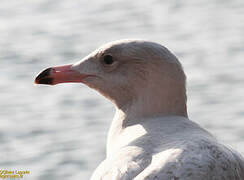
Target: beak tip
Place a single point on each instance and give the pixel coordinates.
(35, 81)
(44, 77)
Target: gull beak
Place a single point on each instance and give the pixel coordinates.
(59, 74)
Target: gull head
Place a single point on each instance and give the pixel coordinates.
(136, 75)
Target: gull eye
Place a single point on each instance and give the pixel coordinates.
(108, 59)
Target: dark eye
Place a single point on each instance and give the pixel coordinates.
(108, 59)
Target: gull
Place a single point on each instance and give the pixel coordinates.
(151, 136)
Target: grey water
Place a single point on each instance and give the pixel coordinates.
(59, 132)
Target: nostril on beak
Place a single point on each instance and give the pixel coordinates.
(44, 77)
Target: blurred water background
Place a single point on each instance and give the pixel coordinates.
(60, 132)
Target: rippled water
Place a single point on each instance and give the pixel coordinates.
(60, 132)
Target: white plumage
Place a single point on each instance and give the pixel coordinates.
(151, 137)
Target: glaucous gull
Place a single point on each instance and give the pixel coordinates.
(151, 137)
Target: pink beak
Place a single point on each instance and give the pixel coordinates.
(59, 74)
